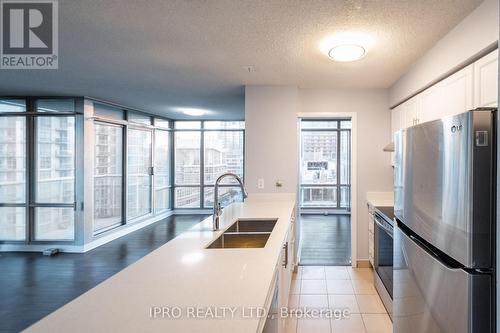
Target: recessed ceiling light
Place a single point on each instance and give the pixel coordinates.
(195, 112)
(347, 52)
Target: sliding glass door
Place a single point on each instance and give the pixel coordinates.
(108, 176)
(139, 172)
(325, 164)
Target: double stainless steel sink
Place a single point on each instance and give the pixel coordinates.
(245, 233)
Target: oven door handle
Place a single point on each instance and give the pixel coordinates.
(390, 231)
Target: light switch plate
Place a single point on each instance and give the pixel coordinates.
(260, 183)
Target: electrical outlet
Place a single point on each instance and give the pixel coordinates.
(260, 183)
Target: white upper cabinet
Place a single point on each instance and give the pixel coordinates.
(457, 92)
(430, 104)
(411, 110)
(486, 80)
(473, 86)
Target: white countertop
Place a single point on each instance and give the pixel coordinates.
(380, 198)
(182, 273)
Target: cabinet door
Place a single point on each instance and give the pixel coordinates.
(486, 80)
(410, 111)
(286, 267)
(457, 92)
(431, 102)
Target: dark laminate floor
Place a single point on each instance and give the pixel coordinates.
(326, 240)
(32, 286)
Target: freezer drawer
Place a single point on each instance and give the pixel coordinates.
(430, 297)
(443, 185)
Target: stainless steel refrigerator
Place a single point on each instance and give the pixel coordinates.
(444, 242)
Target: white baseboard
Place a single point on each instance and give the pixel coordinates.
(363, 263)
(123, 231)
(192, 211)
(40, 248)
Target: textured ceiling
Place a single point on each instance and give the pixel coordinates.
(156, 55)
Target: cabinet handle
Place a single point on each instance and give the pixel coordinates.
(285, 247)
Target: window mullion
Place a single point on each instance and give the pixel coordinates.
(202, 166)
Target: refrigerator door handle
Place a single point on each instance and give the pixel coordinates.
(441, 257)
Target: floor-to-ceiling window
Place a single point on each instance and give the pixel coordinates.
(12, 171)
(162, 174)
(325, 164)
(138, 168)
(187, 158)
(325, 192)
(204, 151)
(37, 169)
(55, 178)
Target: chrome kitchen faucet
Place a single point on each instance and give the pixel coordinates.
(217, 207)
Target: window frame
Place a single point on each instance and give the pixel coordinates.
(338, 185)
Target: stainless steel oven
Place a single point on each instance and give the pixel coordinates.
(383, 258)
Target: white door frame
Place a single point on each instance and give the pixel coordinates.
(354, 169)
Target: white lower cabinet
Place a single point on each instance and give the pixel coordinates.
(284, 271)
(287, 266)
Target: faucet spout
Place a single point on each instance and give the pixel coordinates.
(217, 206)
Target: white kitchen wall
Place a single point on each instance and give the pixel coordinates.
(475, 33)
(272, 142)
(271, 137)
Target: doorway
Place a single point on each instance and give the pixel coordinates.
(325, 191)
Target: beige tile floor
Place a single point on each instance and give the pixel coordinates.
(338, 287)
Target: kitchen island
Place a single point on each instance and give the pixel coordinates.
(185, 287)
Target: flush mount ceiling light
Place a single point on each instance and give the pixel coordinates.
(346, 46)
(195, 112)
(347, 52)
